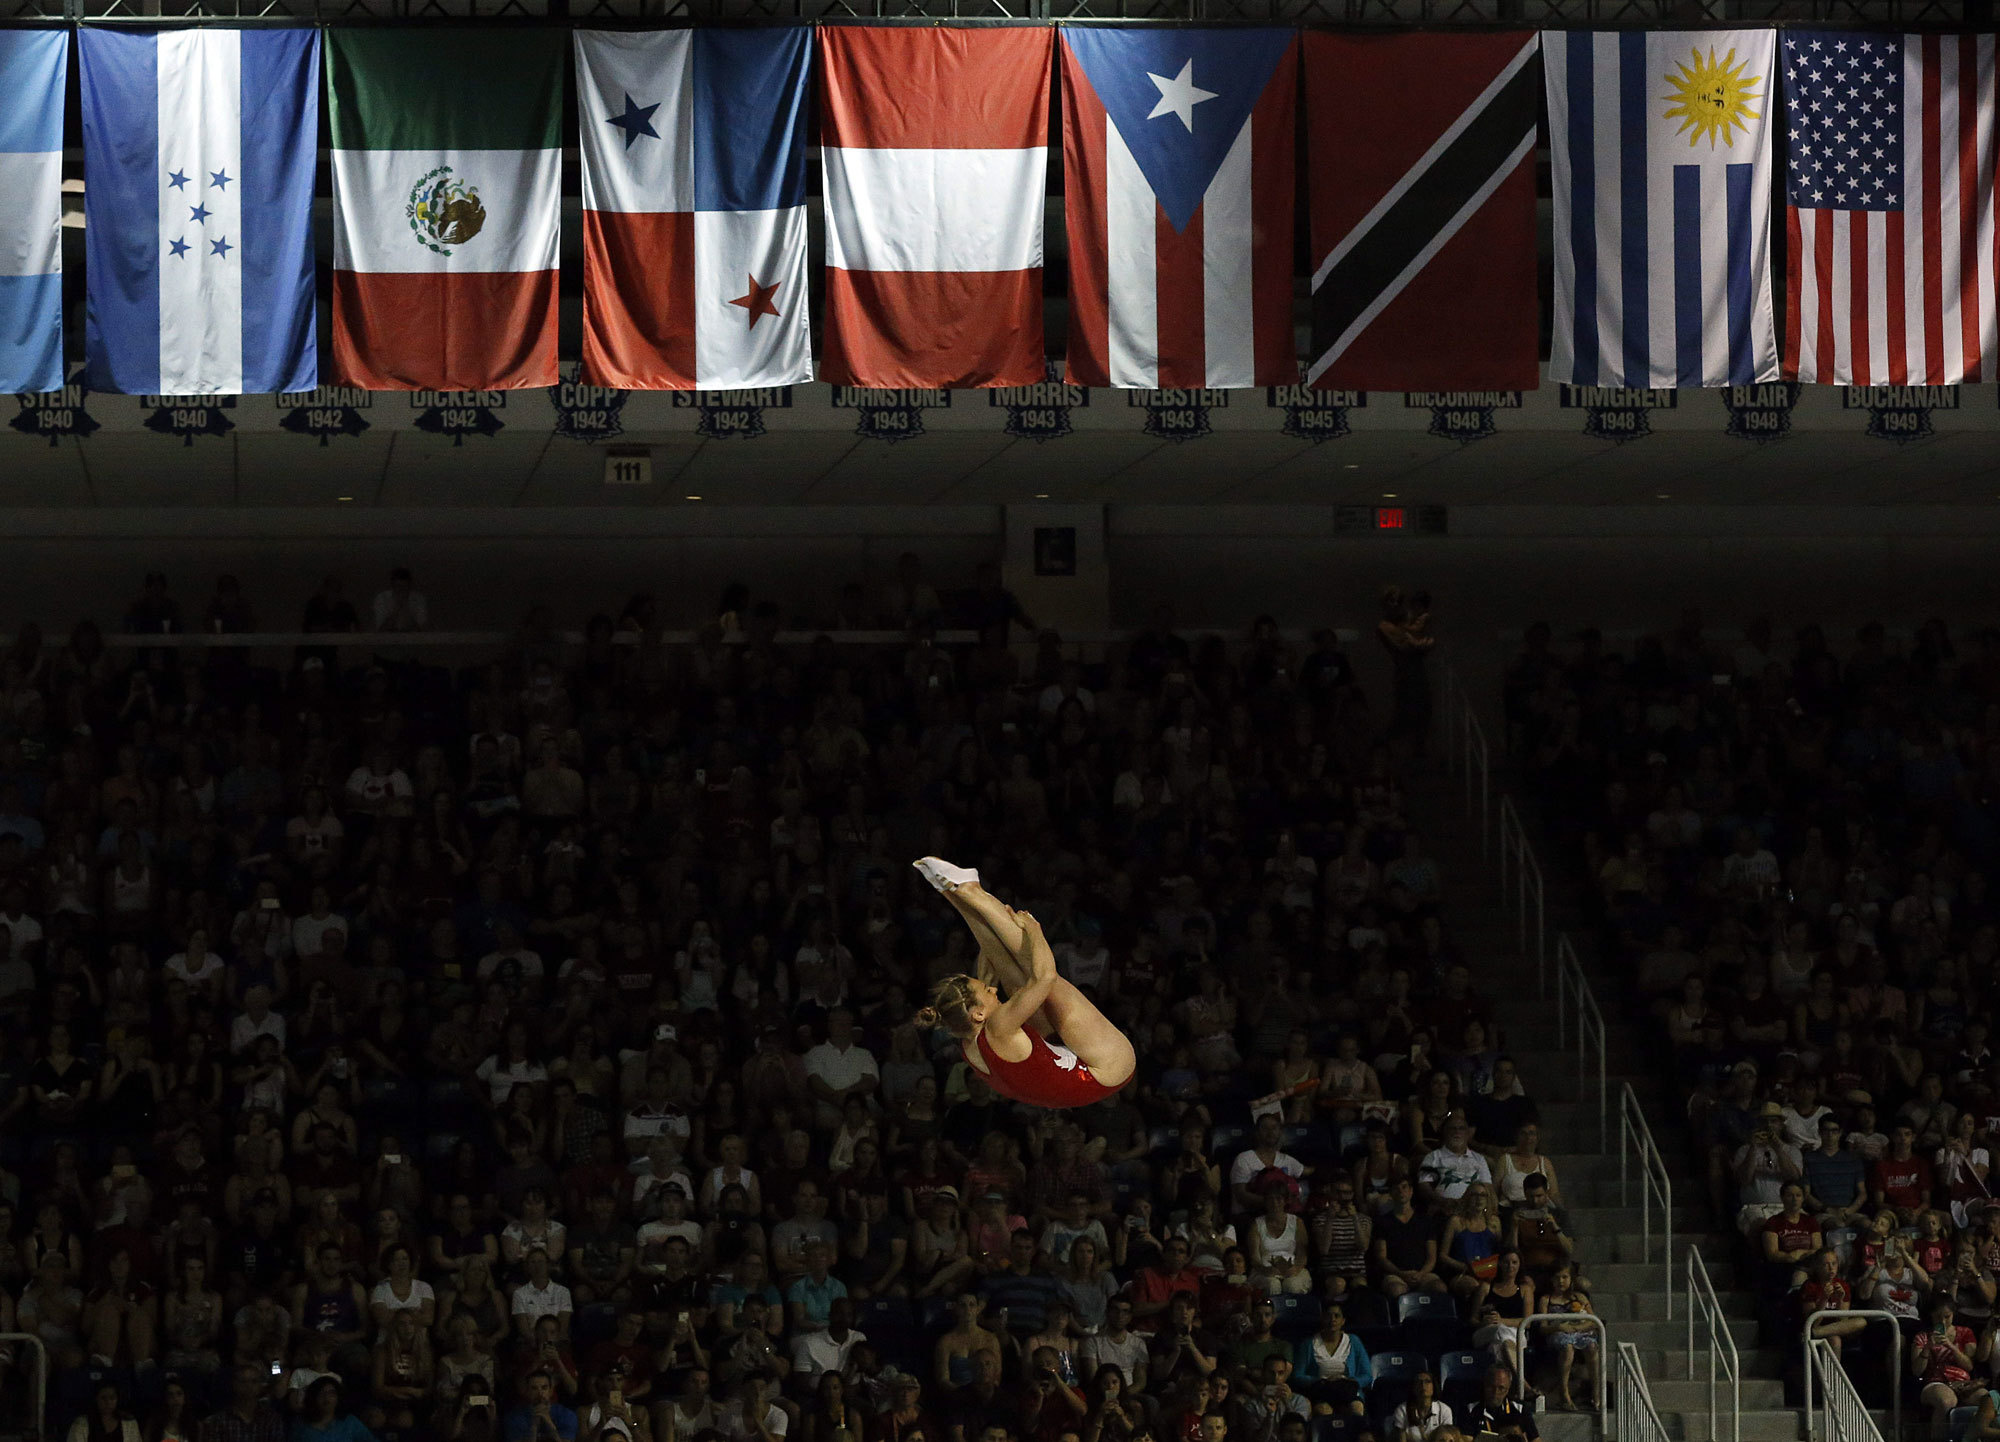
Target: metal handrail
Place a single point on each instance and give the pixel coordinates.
(1466, 753)
(1529, 895)
(1572, 986)
(1705, 1309)
(1818, 1350)
(38, 1423)
(1656, 1184)
(1633, 1417)
(1528, 1324)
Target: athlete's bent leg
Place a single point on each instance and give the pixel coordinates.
(997, 962)
(1085, 1030)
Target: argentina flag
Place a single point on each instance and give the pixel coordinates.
(199, 147)
(1661, 158)
(33, 71)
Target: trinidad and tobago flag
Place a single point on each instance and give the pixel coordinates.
(1421, 155)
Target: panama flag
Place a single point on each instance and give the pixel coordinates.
(694, 207)
(200, 147)
(1660, 148)
(934, 143)
(34, 71)
(1178, 150)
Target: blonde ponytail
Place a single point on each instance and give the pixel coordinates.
(951, 1005)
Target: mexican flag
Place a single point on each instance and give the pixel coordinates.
(447, 198)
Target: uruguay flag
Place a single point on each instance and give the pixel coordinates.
(200, 147)
(1661, 153)
(1177, 147)
(694, 196)
(34, 70)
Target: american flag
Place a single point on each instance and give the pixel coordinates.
(1889, 191)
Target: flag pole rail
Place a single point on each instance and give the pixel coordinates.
(1368, 15)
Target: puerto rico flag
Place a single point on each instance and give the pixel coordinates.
(694, 207)
(1178, 149)
(934, 143)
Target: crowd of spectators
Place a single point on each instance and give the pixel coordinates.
(524, 1050)
(1789, 845)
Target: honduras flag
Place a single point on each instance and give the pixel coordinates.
(34, 68)
(1661, 167)
(198, 218)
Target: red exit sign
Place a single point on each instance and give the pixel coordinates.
(1390, 521)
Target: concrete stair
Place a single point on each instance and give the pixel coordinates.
(1628, 1279)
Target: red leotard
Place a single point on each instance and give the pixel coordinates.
(1052, 1076)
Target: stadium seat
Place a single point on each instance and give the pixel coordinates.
(1313, 1143)
(1395, 1370)
(1297, 1316)
(1461, 1367)
(1430, 1322)
(884, 1313)
(1459, 1375)
(1397, 1367)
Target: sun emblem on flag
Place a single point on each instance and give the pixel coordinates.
(1712, 97)
(444, 211)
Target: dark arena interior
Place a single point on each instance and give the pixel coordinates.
(969, 721)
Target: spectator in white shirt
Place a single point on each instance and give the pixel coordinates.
(541, 1296)
(196, 965)
(257, 1019)
(1445, 1173)
(827, 1350)
(512, 960)
(1420, 1418)
(840, 1067)
(1264, 1153)
(656, 1114)
(380, 787)
(1750, 869)
(401, 607)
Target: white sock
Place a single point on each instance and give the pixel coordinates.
(943, 875)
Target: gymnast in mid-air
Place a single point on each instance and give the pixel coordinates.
(1011, 1039)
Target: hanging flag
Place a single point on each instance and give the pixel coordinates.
(1889, 268)
(934, 143)
(1421, 153)
(34, 73)
(1660, 146)
(199, 147)
(447, 202)
(1177, 149)
(694, 207)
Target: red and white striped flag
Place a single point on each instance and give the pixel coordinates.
(934, 142)
(1889, 183)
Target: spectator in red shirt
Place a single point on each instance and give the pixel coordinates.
(1826, 1291)
(1789, 1238)
(1943, 1358)
(1159, 1284)
(1901, 1179)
